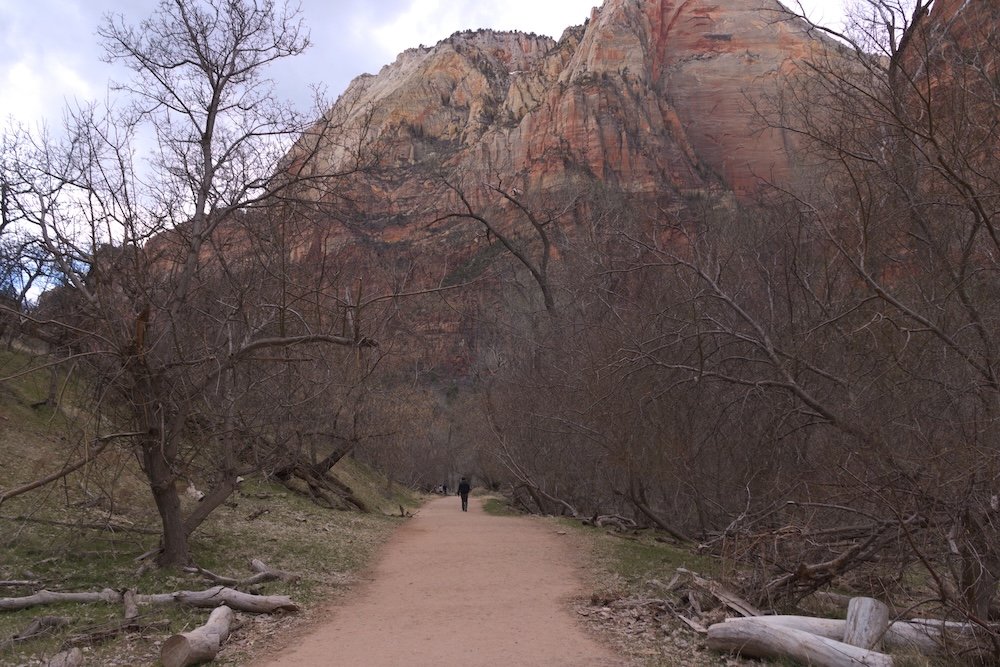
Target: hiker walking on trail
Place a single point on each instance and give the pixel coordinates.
(463, 490)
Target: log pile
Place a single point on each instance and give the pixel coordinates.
(208, 598)
(870, 635)
(861, 639)
(196, 646)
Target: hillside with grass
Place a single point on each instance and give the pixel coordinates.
(89, 531)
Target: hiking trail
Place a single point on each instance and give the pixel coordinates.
(453, 587)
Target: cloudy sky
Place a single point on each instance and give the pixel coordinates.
(49, 53)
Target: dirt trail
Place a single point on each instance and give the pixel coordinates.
(460, 588)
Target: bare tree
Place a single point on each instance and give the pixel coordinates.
(185, 314)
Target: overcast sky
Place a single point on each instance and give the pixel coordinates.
(49, 53)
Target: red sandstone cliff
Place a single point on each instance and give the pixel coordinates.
(651, 96)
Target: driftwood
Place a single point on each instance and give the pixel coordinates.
(867, 622)
(694, 625)
(70, 658)
(260, 567)
(222, 595)
(212, 597)
(199, 645)
(617, 521)
(264, 573)
(52, 597)
(749, 637)
(725, 596)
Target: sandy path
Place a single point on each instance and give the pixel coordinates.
(460, 588)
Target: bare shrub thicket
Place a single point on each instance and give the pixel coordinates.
(807, 385)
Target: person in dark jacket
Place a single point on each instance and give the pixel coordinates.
(463, 490)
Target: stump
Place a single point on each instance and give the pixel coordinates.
(867, 622)
(201, 644)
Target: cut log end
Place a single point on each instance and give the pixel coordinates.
(867, 623)
(199, 645)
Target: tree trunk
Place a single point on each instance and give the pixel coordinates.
(201, 644)
(52, 399)
(750, 638)
(217, 495)
(334, 457)
(174, 551)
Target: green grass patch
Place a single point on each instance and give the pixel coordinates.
(626, 563)
(375, 490)
(499, 507)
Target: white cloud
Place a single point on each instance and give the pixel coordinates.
(49, 51)
(39, 88)
(47, 56)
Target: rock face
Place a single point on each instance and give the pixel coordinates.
(651, 96)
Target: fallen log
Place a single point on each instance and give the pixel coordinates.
(212, 597)
(748, 637)
(722, 594)
(867, 622)
(199, 645)
(900, 635)
(263, 573)
(221, 595)
(262, 568)
(52, 597)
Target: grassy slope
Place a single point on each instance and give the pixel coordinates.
(326, 547)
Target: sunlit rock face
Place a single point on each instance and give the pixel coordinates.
(651, 96)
